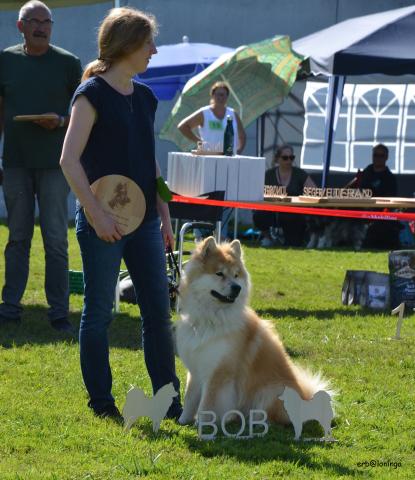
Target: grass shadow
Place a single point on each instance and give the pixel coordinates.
(143, 428)
(280, 445)
(124, 331)
(340, 248)
(326, 314)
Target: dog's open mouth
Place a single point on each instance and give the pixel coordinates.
(223, 298)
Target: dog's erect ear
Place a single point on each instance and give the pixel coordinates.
(208, 246)
(236, 248)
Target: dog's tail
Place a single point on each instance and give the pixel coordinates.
(310, 383)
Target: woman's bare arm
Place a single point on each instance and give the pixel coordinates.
(187, 125)
(163, 211)
(241, 134)
(80, 125)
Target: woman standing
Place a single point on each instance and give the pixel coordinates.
(294, 179)
(111, 132)
(211, 121)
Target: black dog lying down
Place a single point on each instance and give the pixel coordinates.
(328, 232)
(333, 232)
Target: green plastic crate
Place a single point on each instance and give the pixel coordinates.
(76, 281)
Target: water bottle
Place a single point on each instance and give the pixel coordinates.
(228, 137)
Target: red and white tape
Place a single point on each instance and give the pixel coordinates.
(327, 212)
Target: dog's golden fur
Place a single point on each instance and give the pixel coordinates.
(234, 359)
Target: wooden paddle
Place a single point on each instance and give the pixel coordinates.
(31, 118)
(122, 199)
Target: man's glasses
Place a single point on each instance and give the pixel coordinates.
(34, 22)
(287, 157)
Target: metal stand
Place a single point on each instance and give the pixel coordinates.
(235, 225)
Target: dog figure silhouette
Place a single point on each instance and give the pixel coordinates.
(120, 197)
(137, 404)
(299, 411)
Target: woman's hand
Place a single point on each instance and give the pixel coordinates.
(49, 123)
(106, 228)
(163, 211)
(167, 233)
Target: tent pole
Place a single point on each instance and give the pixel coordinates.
(260, 135)
(334, 102)
(257, 133)
(262, 140)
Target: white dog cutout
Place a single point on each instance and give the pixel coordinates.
(299, 411)
(137, 404)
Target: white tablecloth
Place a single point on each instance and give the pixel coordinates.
(241, 177)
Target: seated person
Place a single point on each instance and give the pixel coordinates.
(284, 174)
(382, 182)
(378, 178)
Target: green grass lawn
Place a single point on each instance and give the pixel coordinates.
(47, 432)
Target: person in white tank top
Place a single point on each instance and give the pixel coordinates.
(213, 129)
(211, 121)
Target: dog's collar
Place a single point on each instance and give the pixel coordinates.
(222, 298)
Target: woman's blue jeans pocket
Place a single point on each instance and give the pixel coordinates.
(81, 223)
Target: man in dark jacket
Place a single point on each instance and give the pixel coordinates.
(377, 176)
(36, 78)
(382, 182)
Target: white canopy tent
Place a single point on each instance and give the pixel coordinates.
(381, 43)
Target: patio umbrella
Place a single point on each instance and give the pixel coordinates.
(174, 65)
(259, 76)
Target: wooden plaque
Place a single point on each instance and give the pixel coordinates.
(31, 118)
(205, 153)
(122, 199)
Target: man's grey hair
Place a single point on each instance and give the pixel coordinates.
(29, 6)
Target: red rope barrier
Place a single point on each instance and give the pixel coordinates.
(327, 212)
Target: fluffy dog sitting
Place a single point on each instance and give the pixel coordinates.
(137, 404)
(234, 359)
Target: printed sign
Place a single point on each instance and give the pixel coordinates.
(337, 192)
(215, 125)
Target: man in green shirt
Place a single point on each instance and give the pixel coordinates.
(36, 78)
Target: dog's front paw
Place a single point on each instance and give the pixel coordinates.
(185, 420)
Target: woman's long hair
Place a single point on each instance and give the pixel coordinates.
(122, 31)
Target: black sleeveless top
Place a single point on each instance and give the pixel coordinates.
(122, 138)
(296, 184)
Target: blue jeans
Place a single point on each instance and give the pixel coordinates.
(21, 186)
(143, 253)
